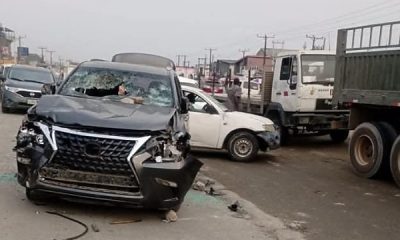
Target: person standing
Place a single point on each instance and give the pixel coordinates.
(234, 95)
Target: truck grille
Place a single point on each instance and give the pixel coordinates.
(29, 94)
(95, 161)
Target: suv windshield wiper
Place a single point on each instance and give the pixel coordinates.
(29, 80)
(17, 79)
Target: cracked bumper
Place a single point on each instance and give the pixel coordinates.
(161, 185)
(271, 139)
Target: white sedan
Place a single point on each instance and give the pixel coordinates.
(212, 125)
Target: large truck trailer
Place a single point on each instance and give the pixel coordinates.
(367, 81)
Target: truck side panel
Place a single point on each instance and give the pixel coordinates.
(368, 73)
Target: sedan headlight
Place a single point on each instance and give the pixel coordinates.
(12, 89)
(269, 127)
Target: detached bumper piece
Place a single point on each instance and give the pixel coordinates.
(103, 169)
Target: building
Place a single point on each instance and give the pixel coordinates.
(7, 36)
(254, 63)
(224, 66)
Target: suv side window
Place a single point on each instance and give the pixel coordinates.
(286, 68)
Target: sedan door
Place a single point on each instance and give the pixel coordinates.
(204, 122)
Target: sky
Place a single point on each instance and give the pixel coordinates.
(84, 29)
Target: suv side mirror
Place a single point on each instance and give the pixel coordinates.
(2, 78)
(48, 89)
(184, 105)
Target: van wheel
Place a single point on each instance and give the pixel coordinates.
(34, 196)
(5, 109)
(339, 136)
(369, 148)
(242, 146)
(395, 161)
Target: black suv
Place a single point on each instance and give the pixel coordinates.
(22, 86)
(113, 132)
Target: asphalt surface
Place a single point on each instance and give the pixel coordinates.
(311, 184)
(200, 217)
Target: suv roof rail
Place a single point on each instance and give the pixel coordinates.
(144, 59)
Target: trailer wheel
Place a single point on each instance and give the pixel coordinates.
(242, 146)
(395, 161)
(367, 149)
(339, 136)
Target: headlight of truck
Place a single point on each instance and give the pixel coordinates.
(12, 89)
(269, 127)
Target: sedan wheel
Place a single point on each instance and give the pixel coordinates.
(243, 146)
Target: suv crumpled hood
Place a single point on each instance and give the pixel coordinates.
(103, 113)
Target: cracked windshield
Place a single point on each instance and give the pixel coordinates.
(194, 120)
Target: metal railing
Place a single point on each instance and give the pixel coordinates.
(368, 37)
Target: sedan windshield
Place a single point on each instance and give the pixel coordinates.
(318, 68)
(120, 85)
(31, 75)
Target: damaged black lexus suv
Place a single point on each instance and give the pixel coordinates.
(111, 133)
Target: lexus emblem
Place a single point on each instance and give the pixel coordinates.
(32, 94)
(92, 149)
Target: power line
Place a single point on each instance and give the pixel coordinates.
(278, 42)
(244, 51)
(314, 39)
(211, 50)
(42, 50)
(51, 56)
(265, 37)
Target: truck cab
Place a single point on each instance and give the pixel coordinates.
(301, 94)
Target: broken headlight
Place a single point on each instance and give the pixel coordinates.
(163, 150)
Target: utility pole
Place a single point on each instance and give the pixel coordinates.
(244, 51)
(19, 46)
(314, 39)
(211, 50)
(42, 49)
(179, 60)
(265, 37)
(51, 56)
(282, 43)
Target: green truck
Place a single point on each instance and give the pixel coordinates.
(367, 81)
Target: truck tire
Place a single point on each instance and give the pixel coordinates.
(283, 131)
(368, 149)
(242, 146)
(395, 161)
(339, 136)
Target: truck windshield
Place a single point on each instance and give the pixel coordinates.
(118, 85)
(318, 69)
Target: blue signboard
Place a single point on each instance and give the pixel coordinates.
(23, 51)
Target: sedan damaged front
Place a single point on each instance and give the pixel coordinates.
(113, 133)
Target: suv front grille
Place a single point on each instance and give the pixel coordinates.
(94, 160)
(29, 94)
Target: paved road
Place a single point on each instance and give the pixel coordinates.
(201, 216)
(311, 184)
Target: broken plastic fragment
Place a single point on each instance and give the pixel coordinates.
(158, 159)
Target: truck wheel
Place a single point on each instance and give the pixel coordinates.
(242, 146)
(339, 136)
(395, 161)
(367, 148)
(283, 132)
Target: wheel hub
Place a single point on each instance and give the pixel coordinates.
(243, 147)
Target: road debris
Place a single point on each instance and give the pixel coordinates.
(339, 204)
(199, 186)
(297, 226)
(125, 221)
(171, 216)
(95, 228)
(234, 207)
(73, 220)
